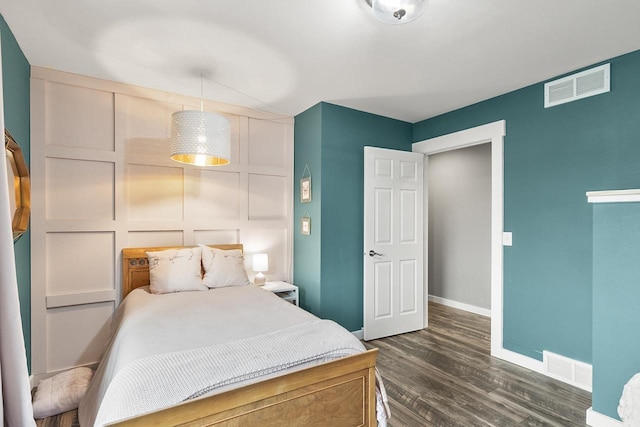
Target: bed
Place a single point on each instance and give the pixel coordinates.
(323, 375)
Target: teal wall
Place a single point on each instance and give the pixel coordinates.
(551, 158)
(345, 133)
(616, 300)
(555, 297)
(15, 79)
(307, 152)
(337, 204)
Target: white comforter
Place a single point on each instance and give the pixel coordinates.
(172, 347)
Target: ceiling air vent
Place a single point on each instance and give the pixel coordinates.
(577, 86)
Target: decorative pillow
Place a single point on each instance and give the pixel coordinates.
(223, 268)
(175, 270)
(61, 393)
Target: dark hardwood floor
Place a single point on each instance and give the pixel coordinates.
(444, 376)
(68, 419)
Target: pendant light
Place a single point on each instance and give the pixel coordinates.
(200, 138)
(398, 11)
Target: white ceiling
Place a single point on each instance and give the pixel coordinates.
(285, 56)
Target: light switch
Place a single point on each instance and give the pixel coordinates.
(507, 239)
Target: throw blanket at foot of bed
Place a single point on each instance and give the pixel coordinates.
(164, 380)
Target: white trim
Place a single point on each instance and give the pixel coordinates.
(613, 196)
(464, 138)
(596, 419)
(460, 306)
(490, 133)
(425, 232)
(519, 359)
(359, 334)
(65, 300)
(38, 227)
(32, 381)
(529, 363)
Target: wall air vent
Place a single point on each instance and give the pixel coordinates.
(577, 86)
(578, 374)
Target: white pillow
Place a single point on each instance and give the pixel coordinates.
(223, 268)
(61, 393)
(175, 270)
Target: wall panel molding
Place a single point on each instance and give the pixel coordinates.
(136, 196)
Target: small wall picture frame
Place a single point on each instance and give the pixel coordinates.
(305, 226)
(305, 189)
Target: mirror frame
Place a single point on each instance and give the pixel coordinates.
(21, 184)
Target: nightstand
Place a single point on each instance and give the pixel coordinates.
(284, 290)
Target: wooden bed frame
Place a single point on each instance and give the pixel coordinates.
(336, 393)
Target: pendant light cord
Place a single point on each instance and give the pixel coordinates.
(201, 92)
(285, 115)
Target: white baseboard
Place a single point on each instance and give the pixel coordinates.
(461, 306)
(525, 361)
(581, 372)
(359, 334)
(596, 419)
(532, 364)
(35, 379)
(518, 359)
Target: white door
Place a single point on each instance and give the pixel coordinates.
(393, 242)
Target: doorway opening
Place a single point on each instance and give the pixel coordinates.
(493, 134)
(459, 228)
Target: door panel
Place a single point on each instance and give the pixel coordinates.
(383, 205)
(383, 293)
(408, 303)
(393, 242)
(408, 209)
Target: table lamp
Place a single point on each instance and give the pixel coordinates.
(260, 264)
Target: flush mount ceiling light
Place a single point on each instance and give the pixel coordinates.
(398, 11)
(200, 138)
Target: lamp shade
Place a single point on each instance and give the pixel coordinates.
(260, 262)
(200, 138)
(398, 11)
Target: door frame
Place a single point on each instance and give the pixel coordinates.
(492, 133)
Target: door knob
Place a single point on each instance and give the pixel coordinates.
(374, 253)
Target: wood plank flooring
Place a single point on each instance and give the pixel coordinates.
(445, 376)
(68, 419)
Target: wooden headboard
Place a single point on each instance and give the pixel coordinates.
(135, 265)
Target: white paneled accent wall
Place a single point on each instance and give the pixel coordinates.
(102, 180)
